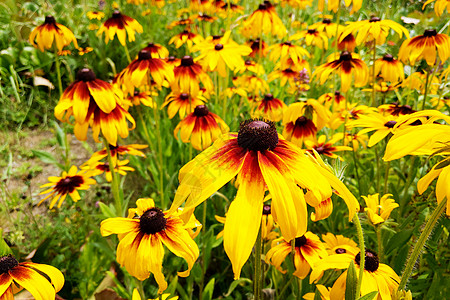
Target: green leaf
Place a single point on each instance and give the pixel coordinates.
(209, 289)
(369, 296)
(398, 240)
(107, 211)
(351, 283)
(46, 158)
(235, 283)
(4, 248)
(442, 164)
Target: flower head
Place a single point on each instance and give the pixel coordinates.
(186, 37)
(121, 25)
(44, 35)
(142, 238)
(287, 50)
(439, 6)
(379, 210)
(270, 108)
(188, 76)
(157, 50)
(183, 103)
(312, 37)
(42, 281)
(389, 68)
(327, 147)
(264, 20)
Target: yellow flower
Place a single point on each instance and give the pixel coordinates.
(312, 37)
(186, 37)
(326, 26)
(132, 149)
(417, 81)
(270, 108)
(95, 15)
(327, 148)
(324, 293)
(338, 244)
(142, 238)
(121, 25)
(383, 125)
(49, 32)
(334, 5)
(42, 281)
(379, 209)
(389, 68)
(264, 20)
(287, 50)
(136, 296)
(183, 103)
(188, 76)
(439, 6)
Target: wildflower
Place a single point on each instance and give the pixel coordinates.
(439, 6)
(311, 109)
(308, 251)
(42, 281)
(83, 51)
(285, 51)
(264, 20)
(64, 52)
(136, 296)
(384, 87)
(132, 149)
(188, 76)
(374, 29)
(181, 22)
(252, 67)
(261, 160)
(347, 66)
(327, 148)
(183, 103)
(389, 68)
(324, 293)
(424, 47)
(356, 139)
(99, 167)
(201, 17)
(258, 47)
(300, 4)
(330, 99)
(93, 27)
(325, 26)
(144, 98)
(121, 25)
(379, 210)
(157, 50)
(334, 5)
(95, 15)
(286, 75)
(142, 237)
(201, 128)
(49, 32)
(225, 53)
(395, 109)
(254, 84)
(383, 125)
(348, 43)
(68, 184)
(186, 37)
(338, 244)
(417, 81)
(312, 37)
(270, 108)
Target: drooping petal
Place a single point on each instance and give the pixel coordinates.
(32, 281)
(55, 275)
(118, 226)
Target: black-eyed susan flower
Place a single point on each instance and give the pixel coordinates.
(285, 75)
(201, 128)
(120, 25)
(352, 111)
(157, 50)
(308, 251)
(270, 108)
(188, 76)
(251, 67)
(336, 99)
(299, 130)
(326, 26)
(144, 98)
(395, 109)
(258, 47)
(136, 296)
(348, 43)
(67, 185)
(95, 15)
(226, 53)
(312, 37)
(389, 68)
(131, 149)
(287, 50)
(384, 87)
(417, 82)
(377, 276)
(183, 103)
(346, 66)
(142, 237)
(42, 281)
(99, 167)
(310, 108)
(261, 159)
(254, 84)
(379, 209)
(373, 29)
(333, 5)
(83, 51)
(425, 47)
(382, 125)
(181, 22)
(186, 37)
(264, 20)
(327, 147)
(300, 4)
(51, 32)
(323, 291)
(201, 17)
(143, 68)
(356, 140)
(439, 6)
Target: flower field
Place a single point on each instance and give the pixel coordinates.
(209, 149)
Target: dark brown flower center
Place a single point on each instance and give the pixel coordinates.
(374, 19)
(388, 57)
(184, 96)
(371, 262)
(150, 45)
(267, 209)
(171, 58)
(257, 135)
(144, 54)
(340, 251)
(85, 74)
(152, 221)
(430, 32)
(187, 61)
(218, 47)
(390, 124)
(69, 184)
(248, 62)
(311, 31)
(326, 21)
(116, 14)
(268, 97)
(217, 37)
(262, 7)
(320, 149)
(201, 111)
(345, 56)
(287, 43)
(300, 241)
(49, 20)
(337, 93)
(7, 263)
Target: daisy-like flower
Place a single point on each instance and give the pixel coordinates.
(308, 251)
(338, 244)
(383, 126)
(348, 43)
(99, 167)
(42, 281)
(424, 47)
(356, 140)
(225, 53)
(374, 29)
(121, 25)
(252, 67)
(181, 22)
(336, 99)
(264, 20)
(417, 81)
(68, 184)
(257, 47)
(255, 85)
(327, 148)
(299, 130)
(138, 72)
(378, 209)
(300, 4)
(324, 293)
(157, 50)
(132, 149)
(188, 76)
(183, 103)
(261, 159)
(377, 276)
(439, 6)
(201, 128)
(270, 108)
(95, 15)
(136, 296)
(186, 37)
(352, 111)
(312, 37)
(347, 66)
(142, 238)
(389, 68)
(44, 35)
(325, 26)
(285, 75)
(395, 109)
(287, 50)
(311, 109)
(334, 5)
(144, 98)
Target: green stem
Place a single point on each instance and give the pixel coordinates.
(157, 118)
(202, 282)
(299, 284)
(386, 177)
(356, 171)
(66, 149)
(127, 53)
(58, 72)
(140, 287)
(418, 247)
(114, 181)
(425, 93)
(285, 287)
(374, 57)
(380, 243)
(257, 278)
(362, 250)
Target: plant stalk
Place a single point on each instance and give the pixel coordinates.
(257, 278)
(114, 181)
(362, 250)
